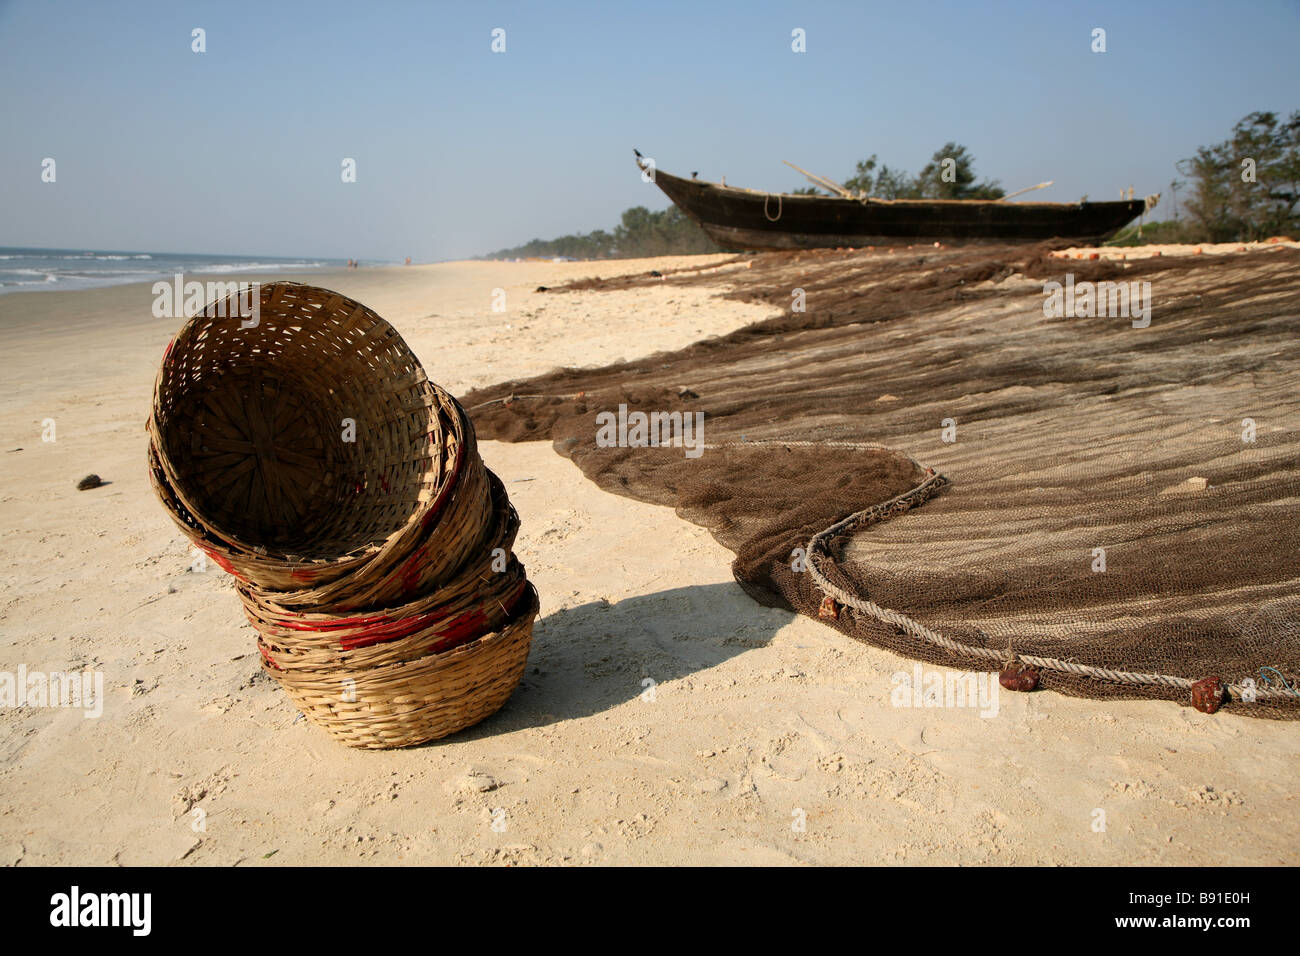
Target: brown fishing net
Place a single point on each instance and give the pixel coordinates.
(1118, 507)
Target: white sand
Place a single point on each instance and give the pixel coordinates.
(759, 719)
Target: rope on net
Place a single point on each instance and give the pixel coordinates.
(819, 552)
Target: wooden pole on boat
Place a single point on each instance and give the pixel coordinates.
(822, 181)
(1027, 189)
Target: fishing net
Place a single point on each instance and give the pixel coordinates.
(928, 462)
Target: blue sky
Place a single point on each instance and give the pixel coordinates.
(461, 151)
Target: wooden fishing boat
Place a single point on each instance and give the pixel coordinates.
(750, 219)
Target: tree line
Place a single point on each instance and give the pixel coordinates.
(641, 233)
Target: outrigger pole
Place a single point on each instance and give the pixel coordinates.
(839, 190)
(1027, 189)
(822, 181)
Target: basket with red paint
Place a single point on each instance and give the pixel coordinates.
(302, 447)
(481, 598)
(428, 626)
(395, 676)
(408, 702)
(305, 445)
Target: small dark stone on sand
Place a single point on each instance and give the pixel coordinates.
(542, 288)
(90, 481)
(656, 273)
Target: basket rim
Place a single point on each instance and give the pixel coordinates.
(504, 531)
(526, 613)
(457, 445)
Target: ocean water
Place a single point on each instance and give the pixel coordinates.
(28, 270)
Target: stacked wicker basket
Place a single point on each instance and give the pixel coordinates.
(306, 452)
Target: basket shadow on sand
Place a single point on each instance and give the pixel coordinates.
(593, 657)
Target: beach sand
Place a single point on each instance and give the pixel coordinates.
(664, 716)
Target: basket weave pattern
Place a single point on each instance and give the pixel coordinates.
(308, 454)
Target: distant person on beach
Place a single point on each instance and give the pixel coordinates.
(408, 260)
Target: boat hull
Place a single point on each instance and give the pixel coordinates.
(756, 221)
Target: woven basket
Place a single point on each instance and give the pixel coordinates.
(459, 520)
(369, 567)
(408, 703)
(499, 531)
(425, 555)
(372, 643)
(480, 599)
(248, 431)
